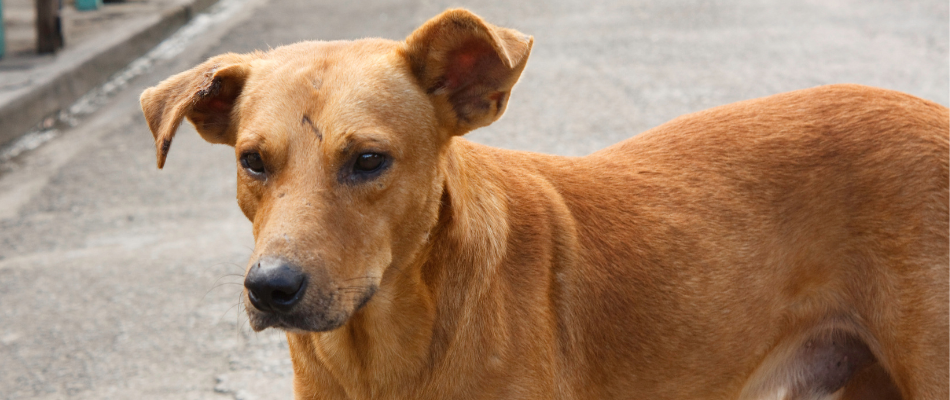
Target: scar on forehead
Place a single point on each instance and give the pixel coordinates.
(306, 121)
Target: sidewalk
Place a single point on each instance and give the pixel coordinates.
(98, 43)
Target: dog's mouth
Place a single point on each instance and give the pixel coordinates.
(316, 313)
(297, 322)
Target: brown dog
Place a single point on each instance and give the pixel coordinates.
(791, 247)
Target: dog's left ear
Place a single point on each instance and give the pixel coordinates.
(467, 66)
(206, 95)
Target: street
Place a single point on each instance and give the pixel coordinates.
(122, 281)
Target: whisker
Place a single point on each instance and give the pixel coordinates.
(217, 283)
(237, 317)
(359, 277)
(352, 288)
(229, 309)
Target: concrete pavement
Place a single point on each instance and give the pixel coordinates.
(121, 281)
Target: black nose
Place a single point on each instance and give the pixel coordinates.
(274, 284)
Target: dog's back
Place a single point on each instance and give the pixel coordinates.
(741, 237)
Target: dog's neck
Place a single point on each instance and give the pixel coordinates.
(394, 342)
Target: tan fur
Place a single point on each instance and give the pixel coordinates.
(717, 256)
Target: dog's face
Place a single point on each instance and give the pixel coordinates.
(339, 147)
(336, 151)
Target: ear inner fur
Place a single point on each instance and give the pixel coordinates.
(467, 66)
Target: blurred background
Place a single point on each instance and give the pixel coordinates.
(118, 280)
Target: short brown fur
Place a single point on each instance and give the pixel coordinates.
(746, 251)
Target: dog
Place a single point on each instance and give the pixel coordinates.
(788, 247)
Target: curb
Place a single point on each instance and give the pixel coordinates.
(91, 68)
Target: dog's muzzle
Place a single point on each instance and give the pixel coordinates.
(283, 296)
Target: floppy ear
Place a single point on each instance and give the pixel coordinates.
(205, 95)
(467, 66)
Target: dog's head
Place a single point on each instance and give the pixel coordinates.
(338, 148)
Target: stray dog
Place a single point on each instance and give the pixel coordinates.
(789, 247)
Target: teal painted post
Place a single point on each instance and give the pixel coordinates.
(3, 41)
(88, 5)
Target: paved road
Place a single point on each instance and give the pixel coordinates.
(121, 281)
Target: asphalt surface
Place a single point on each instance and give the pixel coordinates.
(121, 281)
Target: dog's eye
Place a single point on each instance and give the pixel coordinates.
(253, 163)
(368, 162)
